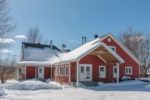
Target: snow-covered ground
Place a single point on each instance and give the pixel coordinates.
(129, 90)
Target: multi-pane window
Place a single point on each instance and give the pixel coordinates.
(128, 70)
(62, 70)
(102, 71)
(66, 70)
(40, 70)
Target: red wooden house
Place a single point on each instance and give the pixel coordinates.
(103, 59)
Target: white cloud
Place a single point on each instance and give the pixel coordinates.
(7, 41)
(20, 37)
(5, 51)
(73, 41)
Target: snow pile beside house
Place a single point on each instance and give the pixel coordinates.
(124, 83)
(2, 92)
(29, 85)
(146, 79)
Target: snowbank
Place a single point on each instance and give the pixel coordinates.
(146, 79)
(131, 82)
(29, 85)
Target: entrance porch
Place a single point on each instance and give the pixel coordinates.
(100, 65)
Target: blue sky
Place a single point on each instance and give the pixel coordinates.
(65, 21)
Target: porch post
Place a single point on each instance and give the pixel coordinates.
(36, 67)
(25, 72)
(77, 79)
(118, 72)
(69, 73)
(51, 71)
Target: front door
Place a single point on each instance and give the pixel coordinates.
(85, 72)
(41, 72)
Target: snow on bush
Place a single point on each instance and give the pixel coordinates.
(146, 79)
(125, 78)
(30, 85)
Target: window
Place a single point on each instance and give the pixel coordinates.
(40, 70)
(113, 48)
(128, 70)
(66, 70)
(114, 71)
(20, 71)
(102, 71)
(63, 70)
(57, 70)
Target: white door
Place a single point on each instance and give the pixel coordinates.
(85, 72)
(115, 71)
(40, 72)
(102, 71)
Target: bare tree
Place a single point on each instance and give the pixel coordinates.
(7, 68)
(6, 24)
(139, 44)
(34, 35)
(6, 28)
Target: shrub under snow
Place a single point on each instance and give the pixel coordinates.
(29, 85)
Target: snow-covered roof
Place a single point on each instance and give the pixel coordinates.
(38, 54)
(47, 57)
(83, 50)
(35, 63)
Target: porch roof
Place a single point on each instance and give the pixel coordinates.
(94, 47)
(34, 63)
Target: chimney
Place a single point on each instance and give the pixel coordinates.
(83, 39)
(95, 36)
(51, 43)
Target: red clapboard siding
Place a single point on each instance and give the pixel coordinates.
(30, 72)
(127, 58)
(47, 72)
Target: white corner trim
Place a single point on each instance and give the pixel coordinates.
(69, 73)
(123, 47)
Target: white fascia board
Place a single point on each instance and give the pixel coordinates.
(124, 48)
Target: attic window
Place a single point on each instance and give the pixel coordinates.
(113, 48)
(109, 39)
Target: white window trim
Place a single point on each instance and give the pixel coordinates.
(66, 66)
(59, 70)
(56, 70)
(114, 76)
(104, 71)
(127, 73)
(113, 47)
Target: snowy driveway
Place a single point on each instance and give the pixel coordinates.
(138, 91)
